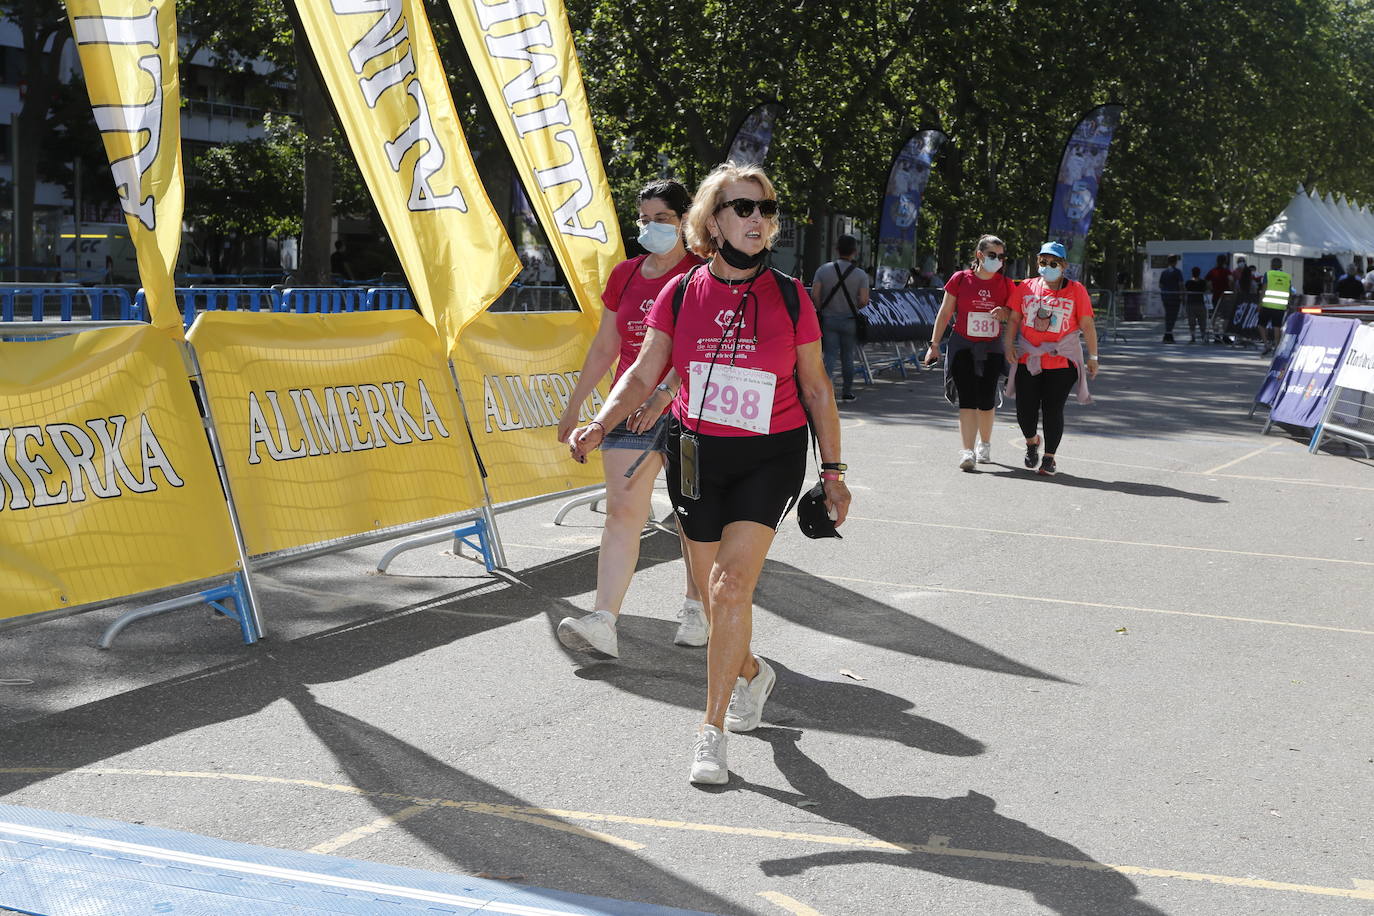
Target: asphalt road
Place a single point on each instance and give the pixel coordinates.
(1140, 687)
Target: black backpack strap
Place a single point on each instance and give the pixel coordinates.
(787, 286)
(680, 290)
(839, 285)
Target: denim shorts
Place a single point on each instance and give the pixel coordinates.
(655, 437)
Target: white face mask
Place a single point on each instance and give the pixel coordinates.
(658, 237)
(992, 264)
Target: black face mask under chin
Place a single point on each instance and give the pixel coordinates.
(738, 259)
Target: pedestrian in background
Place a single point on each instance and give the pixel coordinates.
(975, 305)
(752, 372)
(630, 292)
(1171, 295)
(1042, 340)
(1220, 279)
(1195, 291)
(839, 314)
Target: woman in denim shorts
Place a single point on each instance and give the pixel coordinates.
(630, 292)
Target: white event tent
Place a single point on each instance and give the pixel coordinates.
(1310, 227)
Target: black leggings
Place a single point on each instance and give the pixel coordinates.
(1045, 393)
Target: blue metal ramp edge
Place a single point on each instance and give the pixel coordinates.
(54, 864)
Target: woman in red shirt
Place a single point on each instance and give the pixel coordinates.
(738, 439)
(1041, 340)
(630, 291)
(976, 302)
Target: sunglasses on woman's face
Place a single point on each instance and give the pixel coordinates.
(744, 207)
(1048, 262)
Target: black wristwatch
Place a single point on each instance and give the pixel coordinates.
(834, 466)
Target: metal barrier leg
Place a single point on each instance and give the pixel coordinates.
(480, 528)
(232, 592)
(590, 499)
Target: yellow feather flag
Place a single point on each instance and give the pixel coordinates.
(128, 51)
(379, 63)
(523, 53)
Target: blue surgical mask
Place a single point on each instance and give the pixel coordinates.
(658, 237)
(992, 264)
(1051, 274)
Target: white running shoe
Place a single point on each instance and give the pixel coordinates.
(708, 758)
(592, 633)
(984, 452)
(966, 459)
(746, 702)
(692, 631)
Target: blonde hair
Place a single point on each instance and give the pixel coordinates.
(983, 244)
(711, 194)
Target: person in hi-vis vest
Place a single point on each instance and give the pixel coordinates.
(1278, 287)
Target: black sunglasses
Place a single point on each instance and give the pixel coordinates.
(744, 207)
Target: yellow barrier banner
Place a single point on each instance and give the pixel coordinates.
(128, 51)
(334, 425)
(107, 485)
(379, 63)
(523, 54)
(517, 373)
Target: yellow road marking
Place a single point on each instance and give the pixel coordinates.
(1235, 461)
(380, 824)
(937, 845)
(788, 904)
(1364, 884)
(1071, 537)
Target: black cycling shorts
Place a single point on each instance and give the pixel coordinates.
(743, 479)
(1271, 318)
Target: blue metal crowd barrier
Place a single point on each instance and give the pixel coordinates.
(101, 303)
(194, 300)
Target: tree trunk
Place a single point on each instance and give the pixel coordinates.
(951, 165)
(317, 213)
(44, 39)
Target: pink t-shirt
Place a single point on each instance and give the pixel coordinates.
(974, 298)
(767, 341)
(629, 287)
(1066, 306)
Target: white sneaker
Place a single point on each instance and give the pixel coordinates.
(708, 758)
(692, 631)
(984, 453)
(746, 702)
(966, 459)
(592, 633)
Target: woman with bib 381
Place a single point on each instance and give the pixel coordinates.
(975, 305)
(1042, 342)
(633, 286)
(748, 351)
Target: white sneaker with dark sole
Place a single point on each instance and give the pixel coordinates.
(593, 633)
(693, 630)
(708, 758)
(746, 702)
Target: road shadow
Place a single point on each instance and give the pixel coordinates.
(827, 607)
(502, 834)
(961, 837)
(1125, 487)
(677, 677)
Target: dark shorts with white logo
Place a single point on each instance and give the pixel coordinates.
(655, 437)
(743, 479)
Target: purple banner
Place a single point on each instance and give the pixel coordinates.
(1076, 187)
(906, 185)
(1292, 329)
(1308, 380)
(754, 135)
